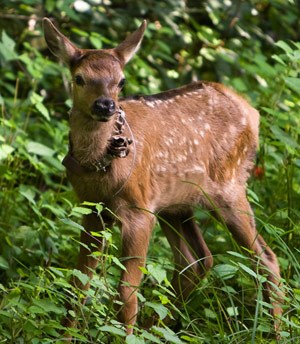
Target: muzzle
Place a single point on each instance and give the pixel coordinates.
(103, 108)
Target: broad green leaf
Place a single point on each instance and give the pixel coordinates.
(48, 306)
(161, 310)
(39, 149)
(157, 272)
(113, 330)
(248, 270)
(43, 110)
(3, 263)
(28, 192)
(236, 254)
(81, 210)
(132, 339)
(71, 223)
(232, 311)
(35, 98)
(209, 313)
(5, 151)
(95, 39)
(284, 137)
(83, 278)
(37, 101)
(36, 310)
(57, 271)
(118, 263)
(229, 290)
(225, 271)
(7, 47)
(293, 83)
(169, 335)
(278, 59)
(150, 337)
(57, 211)
(284, 46)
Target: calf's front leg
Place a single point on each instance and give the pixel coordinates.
(136, 231)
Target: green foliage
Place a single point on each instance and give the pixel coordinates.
(252, 46)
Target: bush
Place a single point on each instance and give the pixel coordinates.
(253, 47)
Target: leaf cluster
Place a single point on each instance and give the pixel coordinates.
(252, 46)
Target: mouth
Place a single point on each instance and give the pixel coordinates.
(101, 115)
(101, 118)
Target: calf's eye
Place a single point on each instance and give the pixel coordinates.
(79, 80)
(122, 83)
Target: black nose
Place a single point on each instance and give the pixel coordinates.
(104, 107)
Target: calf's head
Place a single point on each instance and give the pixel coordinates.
(97, 74)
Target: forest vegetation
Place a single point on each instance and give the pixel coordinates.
(251, 46)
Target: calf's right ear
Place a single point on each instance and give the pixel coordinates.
(58, 44)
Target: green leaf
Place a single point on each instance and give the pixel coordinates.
(157, 272)
(232, 311)
(57, 211)
(39, 149)
(248, 270)
(81, 210)
(43, 110)
(284, 46)
(5, 151)
(293, 83)
(7, 47)
(132, 339)
(169, 335)
(71, 223)
(28, 192)
(36, 310)
(113, 330)
(95, 39)
(118, 263)
(80, 32)
(150, 337)
(225, 271)
(3, 263)
(83, 278)
(161, 310)
(37, 101)
(209, 313)
(56, 271)
(278, 59)
(236, 254)
(47, 306)
(284, 137)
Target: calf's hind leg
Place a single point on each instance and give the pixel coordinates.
(238, 216)
(192, 257)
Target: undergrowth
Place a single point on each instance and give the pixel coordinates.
(40, 218)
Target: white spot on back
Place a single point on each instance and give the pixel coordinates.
(206, 126)
(150, 104)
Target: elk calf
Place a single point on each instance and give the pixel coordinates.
(160, 154)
